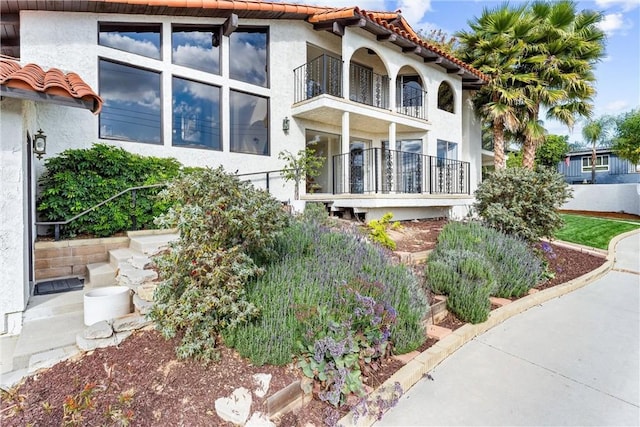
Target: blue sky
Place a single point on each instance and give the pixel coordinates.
(618, 75)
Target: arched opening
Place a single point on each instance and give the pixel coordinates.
(411, 98)
(445, 97)
(368, 79)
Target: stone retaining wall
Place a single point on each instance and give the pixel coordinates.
(70, 257)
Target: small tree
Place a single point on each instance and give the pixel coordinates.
(554, 150)
(596, 132)
(523, 202)
(305, 164)
(627, 141)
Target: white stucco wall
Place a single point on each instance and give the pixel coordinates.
(14, 286)
(605, 198)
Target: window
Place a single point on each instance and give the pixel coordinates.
(409, 91)
(196, 47)
(249, 123)
(248, 58)
(445, 97)
(131, 111)
(602, 163)
(142, 39)
(196, 114)
(447, 150)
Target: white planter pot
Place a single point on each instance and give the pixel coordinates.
(106, 303)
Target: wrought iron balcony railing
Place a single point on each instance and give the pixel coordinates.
(411, 101)
(322, 75)
(377, 170)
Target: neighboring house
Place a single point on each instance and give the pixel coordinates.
(610, 169)
(233, 83)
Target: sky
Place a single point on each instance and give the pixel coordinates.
(618, 74)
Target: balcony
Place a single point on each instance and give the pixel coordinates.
(382, 171)
(412, 102)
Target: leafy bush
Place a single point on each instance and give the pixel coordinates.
(226, 227)
(78, 179)
(331, 291)
(522, 202)
(378, 230)
(471, 260)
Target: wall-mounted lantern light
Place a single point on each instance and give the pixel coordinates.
(285, 124)
(40, 144)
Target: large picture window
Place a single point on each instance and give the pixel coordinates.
(248, 56)
(131, 110)
(141, 39)
(196, 114)
(249, 123)
(602, 163)
(196, 47)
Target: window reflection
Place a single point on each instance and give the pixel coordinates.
(445, 97)
(131, 108)
(249, 123)
(193, 47)
(248, 56)
(142, 39)
(196, 114)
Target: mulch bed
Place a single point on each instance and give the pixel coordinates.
(174, 392)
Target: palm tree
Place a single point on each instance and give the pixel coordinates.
(596, 131)
(561, 51)
(494, 46)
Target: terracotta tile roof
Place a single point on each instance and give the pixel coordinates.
(53, 82)
(394, 22)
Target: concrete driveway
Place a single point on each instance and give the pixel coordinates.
(572, 361)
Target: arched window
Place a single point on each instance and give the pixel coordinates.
(445, 97)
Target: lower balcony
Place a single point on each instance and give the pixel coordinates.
(382, 171)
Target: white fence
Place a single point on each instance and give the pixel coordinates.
(605, 198)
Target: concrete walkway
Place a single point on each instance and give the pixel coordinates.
(574, 361)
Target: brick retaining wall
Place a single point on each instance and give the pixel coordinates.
(70, 257)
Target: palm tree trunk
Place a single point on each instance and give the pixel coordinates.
(499, 162)
(529, 153)
(593, 164)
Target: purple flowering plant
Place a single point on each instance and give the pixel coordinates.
(353, 344)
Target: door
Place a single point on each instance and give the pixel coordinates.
(357, 153)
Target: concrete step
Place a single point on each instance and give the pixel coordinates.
(46, 306)
(150, 244)
(101, 274)
(42, 335)
(118, 256)
(47, 359)
(132, 276)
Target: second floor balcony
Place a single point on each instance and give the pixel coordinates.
(324, 76)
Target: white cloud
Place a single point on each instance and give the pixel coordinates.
(615, 22)
(616, 106)
(414, 11)
(626, 5)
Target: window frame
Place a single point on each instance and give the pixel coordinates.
(160, 112)
(178, 27)
(195, 145)
(253, 29)
(439, 100)
(231, 135)
(133, 25)
(600, 167)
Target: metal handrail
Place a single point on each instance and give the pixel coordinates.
(57, 224)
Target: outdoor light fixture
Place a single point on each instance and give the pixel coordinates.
(285, 124)
(40, 144)
(215, 38)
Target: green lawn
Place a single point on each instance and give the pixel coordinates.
(590, 231)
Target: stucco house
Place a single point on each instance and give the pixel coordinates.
(234, 83)
(610, 169)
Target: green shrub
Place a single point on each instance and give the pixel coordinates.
(378, 230)
(79, 179)
(226, 227)
(469, 300)
(336, 302)
(314, 263)
(469, 256)
(522, 202)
